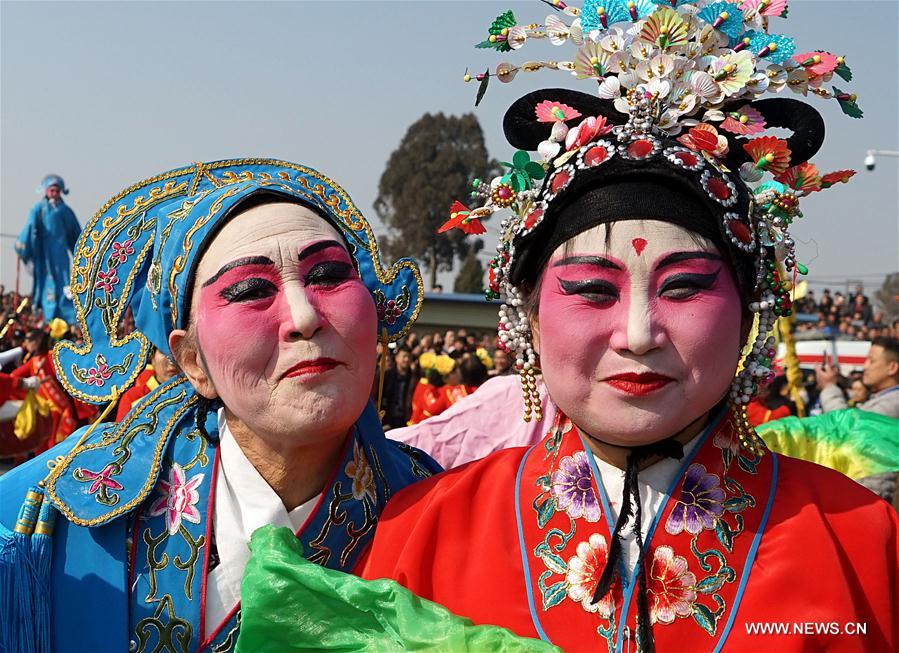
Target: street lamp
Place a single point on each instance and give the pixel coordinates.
(871, 161)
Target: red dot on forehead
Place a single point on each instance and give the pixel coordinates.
(639, 245)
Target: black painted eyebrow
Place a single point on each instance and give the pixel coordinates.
(601, 261)
(677, 257)
(317, 247)
(247, 260)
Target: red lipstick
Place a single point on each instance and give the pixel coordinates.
(638, 384)
(310, 367)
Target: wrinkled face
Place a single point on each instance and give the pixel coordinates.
(638, 338)
(880, 370)
(285, 325)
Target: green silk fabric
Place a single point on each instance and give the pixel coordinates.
(856, 442)
(290, 604)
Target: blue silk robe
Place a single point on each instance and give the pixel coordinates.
(130, 557)
(46, 242)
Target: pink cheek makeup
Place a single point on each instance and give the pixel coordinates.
(236, 305)
(714, 299)
(572, 324)
(334, 287)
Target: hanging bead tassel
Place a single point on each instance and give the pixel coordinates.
(749, 439)
(533, 406)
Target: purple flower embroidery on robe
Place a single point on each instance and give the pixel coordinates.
(700, 502)
(572, 486)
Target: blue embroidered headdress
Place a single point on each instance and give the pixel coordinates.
(141, 249)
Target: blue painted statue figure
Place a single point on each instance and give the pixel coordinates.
(45, 244)
(263, 282)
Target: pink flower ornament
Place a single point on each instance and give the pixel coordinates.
(100, 479)
(178, 499)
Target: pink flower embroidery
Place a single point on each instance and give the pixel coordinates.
(584, 571)
(726, 438)
(100, 479)
(359, 470)
(179, 499)
(671, 586)
(388, 312)
(98, 375)
(107, 281)
(121, 251)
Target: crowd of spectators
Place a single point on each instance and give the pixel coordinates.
(428, 372)
(844, 316)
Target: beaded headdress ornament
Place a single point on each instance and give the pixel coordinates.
(677, 91)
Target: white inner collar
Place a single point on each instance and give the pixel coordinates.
(244, 501)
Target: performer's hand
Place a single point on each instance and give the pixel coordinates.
(826, 375)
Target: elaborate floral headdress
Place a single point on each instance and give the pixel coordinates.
(678, 87)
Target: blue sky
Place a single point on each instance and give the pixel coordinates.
(108, 93)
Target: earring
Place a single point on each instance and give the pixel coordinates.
(515, 337)
(749, 439)
(532, 405)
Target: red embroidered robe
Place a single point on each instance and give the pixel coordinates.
(427, 401)
(742, 542)
(63, 412)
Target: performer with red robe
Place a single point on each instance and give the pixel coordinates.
(151, 378)
(40, 364)
(634, 267)
(651, 517)
(429, 397)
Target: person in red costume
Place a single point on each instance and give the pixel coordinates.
(161, 370)
(429, 397)
(645, 244)
(651, 517)
(10, 384)
(466, 377)
(769, 404)
(39, 363)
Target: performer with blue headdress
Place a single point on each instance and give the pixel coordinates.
(45, 244)
(263, 282)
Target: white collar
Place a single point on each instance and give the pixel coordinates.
(653, 482)
(244, 501)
